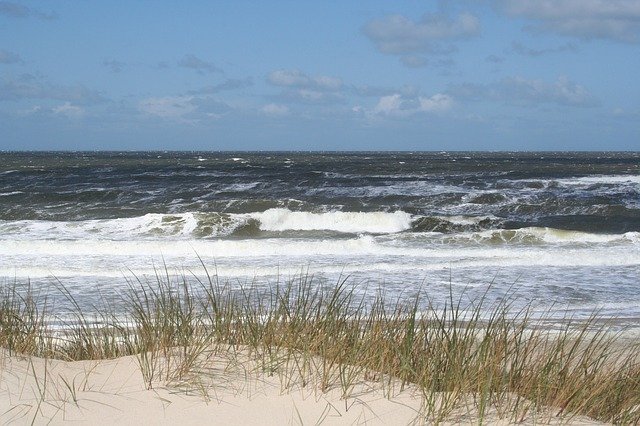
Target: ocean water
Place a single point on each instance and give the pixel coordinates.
(559, 229)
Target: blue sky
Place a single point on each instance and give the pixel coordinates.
(330, 75)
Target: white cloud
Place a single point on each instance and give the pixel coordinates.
(69, 110)
(389, 104)
(275, 110)
(28, 86)
(300, 87)
(195, 63)
(399, 105)
(298, 79)
(397, 34)
(521, 49)
(436, 103)
(587, 19)
(171, 107)
(522, 91)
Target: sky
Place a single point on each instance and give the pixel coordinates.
(320, 75)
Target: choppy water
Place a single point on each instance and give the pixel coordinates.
(553, 227)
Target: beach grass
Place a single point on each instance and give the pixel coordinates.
(480, 358)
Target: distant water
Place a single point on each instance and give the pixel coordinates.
(559, 228)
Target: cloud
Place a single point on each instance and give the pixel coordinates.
(162, 65)
(521, 91)
(275, 110)
(372, 91)
(377, 91)
(303, 88)
(310, 96)
(15, 10)
(68, 110)
(113, 65)
(521, 49)
(228, 84)
(208, 107)
(585, 19)
(433, 34)
(197, 64)
(28, 86)
(414, 61)
(7, 57)
(300, 80)
(494, 59)
(401, 106)
(184, 109)
(172, 107)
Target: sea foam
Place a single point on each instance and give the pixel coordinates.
(348, 222)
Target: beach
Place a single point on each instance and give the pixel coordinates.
(112, 392)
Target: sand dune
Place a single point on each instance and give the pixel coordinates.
(232, 390)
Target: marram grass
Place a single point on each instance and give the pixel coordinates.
(310, 335)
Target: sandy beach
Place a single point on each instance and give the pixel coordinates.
(234, 391)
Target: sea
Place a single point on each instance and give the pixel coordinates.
(553, 231)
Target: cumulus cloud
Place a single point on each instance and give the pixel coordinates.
(275, 110)
(197, 64)
(28, 86)
(433, 34)
(586, 19)
(401, 106)
(518, 90)
(7, 57)
(15, 10)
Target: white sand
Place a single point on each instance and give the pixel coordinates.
(114, 392)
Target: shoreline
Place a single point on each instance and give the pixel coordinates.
(464, 363)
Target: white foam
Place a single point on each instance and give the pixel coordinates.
(410, 188)
(280, 219)
(341, 251)
(548, 235)
(149, 226)
(605, 179)
(238, 187)
(467, 220)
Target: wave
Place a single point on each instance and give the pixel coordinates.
(282, 222)
(346, 222)
(6, 194)
(207, 225)
(535, 235)
(604, 179)
(364, 251)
